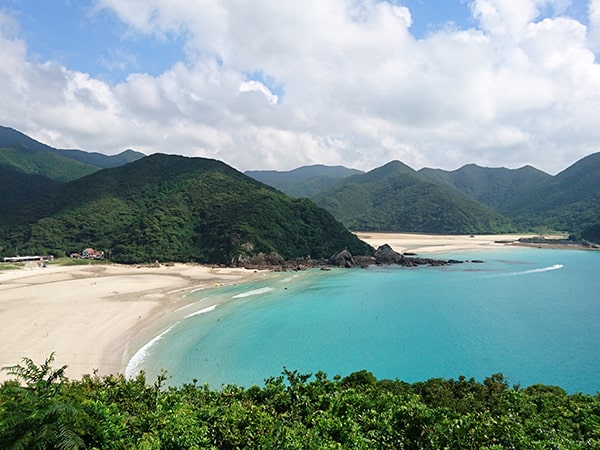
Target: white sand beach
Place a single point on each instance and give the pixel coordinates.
(424, 244)
(95, 317)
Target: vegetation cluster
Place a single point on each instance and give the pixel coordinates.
(469, 200)
(41, 408)
(172, 208)
(396, 198)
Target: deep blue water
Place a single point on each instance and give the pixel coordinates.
(533, 315)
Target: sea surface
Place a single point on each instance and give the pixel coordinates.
(531, 314)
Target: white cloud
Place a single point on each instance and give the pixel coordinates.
(594, 15)
(257, 86)
(341, 82)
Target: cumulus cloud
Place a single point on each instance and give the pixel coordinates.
(339, 82)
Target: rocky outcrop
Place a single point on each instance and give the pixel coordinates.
(384, 255)
(342, 259)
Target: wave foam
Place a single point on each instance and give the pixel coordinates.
(135, 363)
(254, 292)
(202, 311)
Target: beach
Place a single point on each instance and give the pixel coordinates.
(424, 244)
(96, 317)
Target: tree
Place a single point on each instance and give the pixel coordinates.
(35, 413)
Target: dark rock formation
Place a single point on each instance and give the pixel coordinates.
(342, 259)
(384, 255)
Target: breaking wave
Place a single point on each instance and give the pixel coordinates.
(260, 291)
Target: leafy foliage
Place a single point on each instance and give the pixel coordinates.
(295, 411)
(396, 198)
(171, 208)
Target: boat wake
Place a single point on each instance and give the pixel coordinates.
(528, 272)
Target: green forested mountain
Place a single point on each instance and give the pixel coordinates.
(493, 187)
(397, 198)
(17, 188)
(568, 201)
(10, 137)
(306, 181)
(43, 163)
(172, 208)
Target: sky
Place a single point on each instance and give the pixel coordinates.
(273, 84)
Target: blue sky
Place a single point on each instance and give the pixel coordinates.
(272, 84)
(97, 42)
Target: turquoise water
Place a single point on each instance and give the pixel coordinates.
(533, 315)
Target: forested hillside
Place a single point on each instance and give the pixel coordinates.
(172, 208)
(43, 163)
(493, 187)
(17, 188)
(568, 201)
(10, 137)
(293, 411)
(306, 181)
(396, 198)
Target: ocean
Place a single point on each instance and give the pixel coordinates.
(530, 314)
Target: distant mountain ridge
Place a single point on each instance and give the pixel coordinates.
(10, 137)
(531, 199)
(493, 187)
(29, 167)
(305, 181)
(569, 200)
(395, 197)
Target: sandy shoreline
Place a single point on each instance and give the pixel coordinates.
(424, 244)
(98, 316)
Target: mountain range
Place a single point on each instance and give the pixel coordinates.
(169, 208)
(165, 207)
(471, 199)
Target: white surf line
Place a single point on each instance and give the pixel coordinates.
(202, 311)
(259, 291)
(134, 364)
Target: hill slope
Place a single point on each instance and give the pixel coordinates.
(43, 163)
(17, 188)
(568, 201)
(306, 181)
(10, 137)
(493, 187)
(396, 198)
(172, 208)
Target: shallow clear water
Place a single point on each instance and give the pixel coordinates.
(533, 315)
